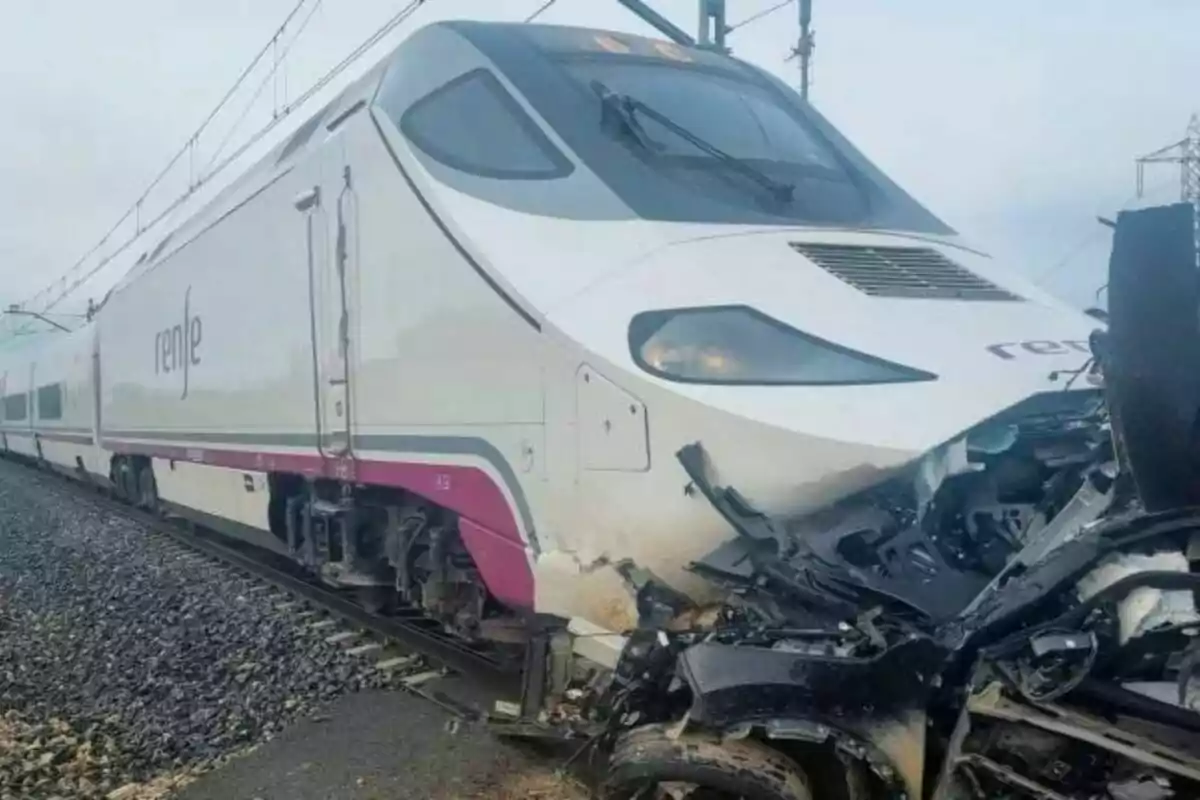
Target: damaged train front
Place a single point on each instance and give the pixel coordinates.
(832, 648)
(1012, 616)
(1081, 656)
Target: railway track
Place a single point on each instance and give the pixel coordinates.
(406, 643)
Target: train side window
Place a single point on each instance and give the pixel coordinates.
(737, 345)
(474, 125)
(15, 407)
(50, 402)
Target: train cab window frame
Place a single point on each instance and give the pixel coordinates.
(50, 402)
(799, 359)
(417, 123)
(13, 412)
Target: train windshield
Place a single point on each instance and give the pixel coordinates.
(677, 134)
(684, 135)
(724, 137)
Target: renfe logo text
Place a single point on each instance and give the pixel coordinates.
(177, 347)
(1039, 347)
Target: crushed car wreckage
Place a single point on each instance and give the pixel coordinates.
(1015, 616)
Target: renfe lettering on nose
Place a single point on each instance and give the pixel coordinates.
(1039, 347)
(177, 347)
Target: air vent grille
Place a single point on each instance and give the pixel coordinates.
(915, 272)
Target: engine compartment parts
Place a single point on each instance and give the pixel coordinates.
(1010, 617)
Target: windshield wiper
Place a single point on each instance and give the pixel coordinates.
(627, 108)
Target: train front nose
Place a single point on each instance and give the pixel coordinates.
(871, 338)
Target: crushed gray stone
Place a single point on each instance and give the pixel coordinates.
(127, 667)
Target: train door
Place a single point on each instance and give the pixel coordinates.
(330, 212)
(339, 307)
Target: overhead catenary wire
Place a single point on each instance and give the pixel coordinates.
(390, 25)
(766, 12)
(542, 9)
(269, 78)
(250, 67)
(1086, 241)
(134, 211)
(1083, 244)
(394, 22)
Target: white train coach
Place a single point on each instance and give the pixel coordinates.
(444, 343)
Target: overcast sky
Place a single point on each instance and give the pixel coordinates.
(1016, 121)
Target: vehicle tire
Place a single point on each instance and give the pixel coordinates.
(746, 768)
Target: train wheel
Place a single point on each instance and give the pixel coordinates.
(130, 484)
(376, 599)
(124, 481)
(647, 764)
(147, 493)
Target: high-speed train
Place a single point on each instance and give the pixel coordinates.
(445, 341)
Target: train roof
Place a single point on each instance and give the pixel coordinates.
(308, 133)
(550, 40)
(558, 40)
(25, 349)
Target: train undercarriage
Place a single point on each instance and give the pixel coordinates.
(389, 549)
(821, 675)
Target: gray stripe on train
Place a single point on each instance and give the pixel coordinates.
(430, 445)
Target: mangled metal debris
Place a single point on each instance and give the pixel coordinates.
(1015, 616)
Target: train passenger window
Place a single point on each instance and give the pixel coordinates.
(50, 402)
(741, 346)
(15, 407)
(474, 125)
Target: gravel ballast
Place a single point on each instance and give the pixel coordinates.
(128, 665)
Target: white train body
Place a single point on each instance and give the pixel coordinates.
(457, 284)
(49, 406)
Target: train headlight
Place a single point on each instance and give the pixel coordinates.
(739, 345)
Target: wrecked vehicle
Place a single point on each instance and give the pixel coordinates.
(1014, 617)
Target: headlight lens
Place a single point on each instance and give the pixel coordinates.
(738, 345)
